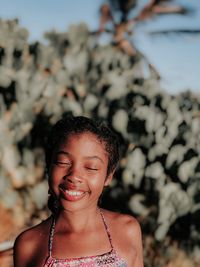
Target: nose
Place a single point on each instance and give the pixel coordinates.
(74, 176)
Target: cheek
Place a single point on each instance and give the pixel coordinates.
(97, 181)
(55, 176)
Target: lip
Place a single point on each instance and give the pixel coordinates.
(72, 195)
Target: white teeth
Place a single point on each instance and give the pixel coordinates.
(73, 193)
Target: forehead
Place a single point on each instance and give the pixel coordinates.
(84, 142)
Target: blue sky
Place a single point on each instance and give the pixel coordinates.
(176, 57)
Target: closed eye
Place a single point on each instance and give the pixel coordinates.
(92, 169)
(62, 163)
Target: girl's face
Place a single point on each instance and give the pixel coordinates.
(78, 171)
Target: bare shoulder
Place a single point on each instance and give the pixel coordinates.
(128, 223)
(127, 236)
(27, 243)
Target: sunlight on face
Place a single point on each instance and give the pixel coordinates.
(78, 172)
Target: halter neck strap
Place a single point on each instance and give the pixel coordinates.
(106, 227)
(52, 229)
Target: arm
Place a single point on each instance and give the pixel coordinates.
(22, 250)
(134, 236)
(138, 241)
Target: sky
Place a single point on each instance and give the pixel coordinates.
(177, 58)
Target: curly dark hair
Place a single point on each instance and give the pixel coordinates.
(76, 125)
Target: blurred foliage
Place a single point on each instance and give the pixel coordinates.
(158, 178)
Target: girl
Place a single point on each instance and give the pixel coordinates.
(81, 157)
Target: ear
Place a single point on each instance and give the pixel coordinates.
(109, 178)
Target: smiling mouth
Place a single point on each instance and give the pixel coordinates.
(72, 195)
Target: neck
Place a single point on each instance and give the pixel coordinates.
(78, 221)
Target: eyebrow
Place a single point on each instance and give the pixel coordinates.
(87, 157)
(95, 157)
(62, 152)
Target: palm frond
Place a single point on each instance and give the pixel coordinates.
(175, 31)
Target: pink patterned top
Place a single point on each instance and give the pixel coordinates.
(109, 259)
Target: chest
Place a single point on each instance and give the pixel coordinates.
(85, 244)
